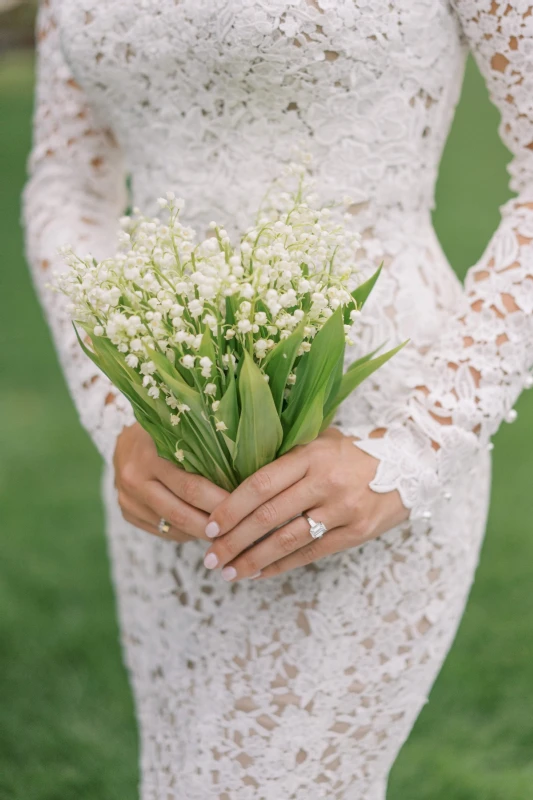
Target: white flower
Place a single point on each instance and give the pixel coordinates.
(183, 408)
(188, 361)
(98, 330)
(288, 299)
(210, 388)
(211, 321)
(215, 404)
(261, 346)
(247, 291)
(153, 391)
(148, 368)
(206, 365)
(229, 334)
(221, 426)
(174, 419)
(179, 455)
(196, 307)
(131, 360)
(244, 326)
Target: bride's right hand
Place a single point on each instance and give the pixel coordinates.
(151, 488)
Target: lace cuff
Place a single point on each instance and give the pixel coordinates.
(423, 476)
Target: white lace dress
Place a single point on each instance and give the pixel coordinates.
(304, 686)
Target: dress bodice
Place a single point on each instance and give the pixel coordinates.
(209, 96)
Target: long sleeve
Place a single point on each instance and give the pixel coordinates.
(74, 195)
(474, 372)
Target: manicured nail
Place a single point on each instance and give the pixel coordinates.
(256, 574)
(212, 529)
(210, 561)
(228, 573)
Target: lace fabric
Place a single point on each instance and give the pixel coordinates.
(205, 99)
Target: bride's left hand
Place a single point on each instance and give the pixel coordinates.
(327, 479)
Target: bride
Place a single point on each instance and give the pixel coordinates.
(293, 668)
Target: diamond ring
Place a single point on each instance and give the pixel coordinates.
(316, 529)
(163, 527)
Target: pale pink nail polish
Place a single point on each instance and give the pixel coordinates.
(228, 573)
(210, 561)
(212, 529)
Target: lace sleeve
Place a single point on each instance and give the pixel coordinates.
(74, 194)
(474, 373)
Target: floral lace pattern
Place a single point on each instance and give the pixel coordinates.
(204, 98)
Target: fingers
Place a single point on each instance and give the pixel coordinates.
(238, 562)
(264, 519)
(140, 515)
(256, 491)
(195, 490)
(175, 511)
(333, 541)
(172, 535)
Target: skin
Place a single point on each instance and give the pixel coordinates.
(328, 479)
(149, 487)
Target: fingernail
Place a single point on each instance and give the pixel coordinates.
(212, 529)
(228, 573)
(256, 574)
(210, 561)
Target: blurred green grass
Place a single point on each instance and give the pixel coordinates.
(66, 721)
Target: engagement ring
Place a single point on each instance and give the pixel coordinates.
(317, 529)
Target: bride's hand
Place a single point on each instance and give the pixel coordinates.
(329, 480)
(151, 488)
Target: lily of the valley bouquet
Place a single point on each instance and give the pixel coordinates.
(229, 354)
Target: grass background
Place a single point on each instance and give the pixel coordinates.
(66, 720)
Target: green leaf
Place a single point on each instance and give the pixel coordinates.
(314, 372)
(279, 363)
(336, 378)
(364, 359)
(230, 313)
(207, 347)
(228, 410)
(352, 378)
(259, 433)
(307, 426)
(107, 360)
(334, 381)
(361, 294)
(230, 444)
(197, 424)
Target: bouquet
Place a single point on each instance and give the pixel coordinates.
(229, 355)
